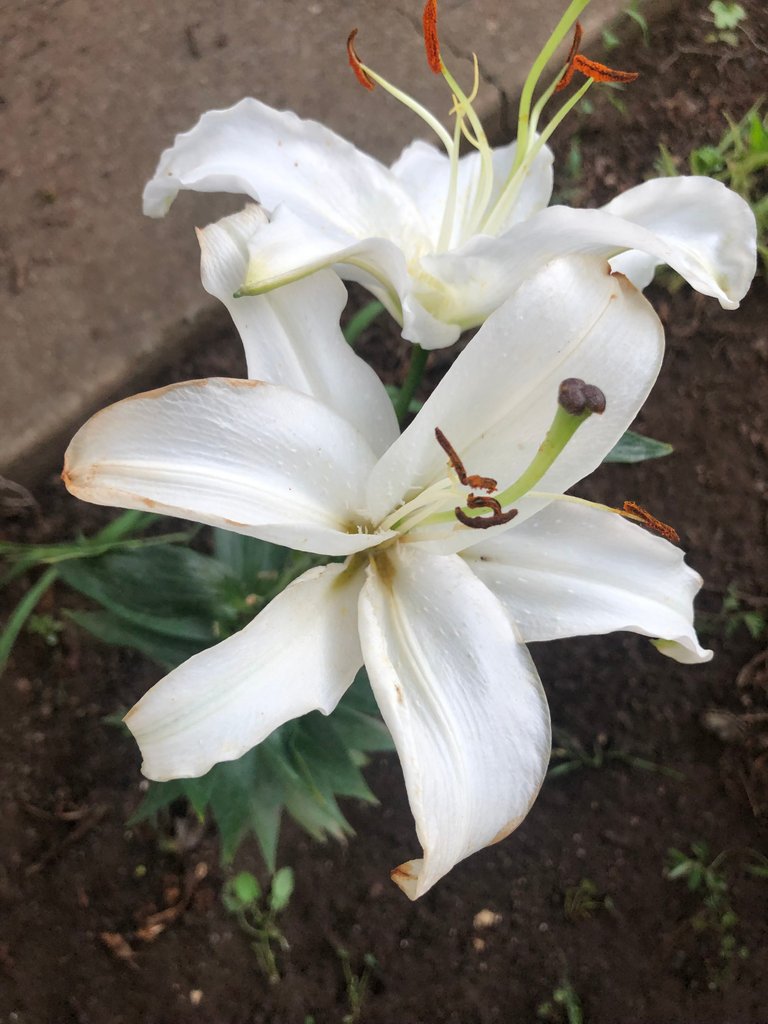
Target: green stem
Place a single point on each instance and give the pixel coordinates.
(412, 381)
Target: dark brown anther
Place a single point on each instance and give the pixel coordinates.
(356, 64)
(480, 483)
(484, 522)
(576, 397)
(477, 501)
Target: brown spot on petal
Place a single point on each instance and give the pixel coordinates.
(403, 873)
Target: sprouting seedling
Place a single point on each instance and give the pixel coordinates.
(570, 755)
(737, 611)
(582, 901)
(257, 912)
(705, 875)
(563, 1006)
(357, 985)
(727, 16)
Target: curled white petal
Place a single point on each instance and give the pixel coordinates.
(299, 655)
(291, 335)
(574, 569)
(243, 455)
(463, 702)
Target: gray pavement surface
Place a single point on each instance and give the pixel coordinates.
(93, 296)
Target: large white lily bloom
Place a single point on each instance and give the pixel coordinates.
(438, 611)
(443, 240)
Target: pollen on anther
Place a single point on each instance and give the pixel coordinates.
(356, 64)
(431, 40)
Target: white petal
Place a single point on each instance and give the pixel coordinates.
(292, 335)
(462, 700)
(424, 170)
(710, 242)
(299, 655)
(496, 403)
(711, 228)
(275, 157)
(246, 456)
(574, 569)
(290, 247)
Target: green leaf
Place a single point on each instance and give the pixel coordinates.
(634, 447)
(726, 15)
(255, 563)
(282, 889)
(362, 320)
(167, 651)
(21, 613)
(246, 887)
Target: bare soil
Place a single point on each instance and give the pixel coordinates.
(74, 881)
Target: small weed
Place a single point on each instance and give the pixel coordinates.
(715, 919)
(735, 613)
(357, 985)
(256, 914)
(569, 755)
(563, 1006)
(727, 16)
(47, 627)
(582, 901)
(610, 36)
(740, 161)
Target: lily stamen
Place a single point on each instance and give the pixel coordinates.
(480, 483)
(591, 68)
(638, 514)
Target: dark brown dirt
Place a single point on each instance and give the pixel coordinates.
(65, 884)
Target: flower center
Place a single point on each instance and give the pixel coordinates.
(437, 503)
(478, 214)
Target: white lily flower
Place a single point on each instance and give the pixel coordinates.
(443, 240)
(436, 608)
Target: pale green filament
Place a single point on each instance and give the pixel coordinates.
(509, 194)
(562, 29)
(480, 143)
(415, 106)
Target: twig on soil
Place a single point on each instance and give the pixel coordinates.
(93, 817)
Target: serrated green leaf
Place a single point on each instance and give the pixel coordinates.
(361, 732)
(324, 761)
(634, 447)
(281, 890)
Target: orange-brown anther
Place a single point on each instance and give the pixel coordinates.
(601, 72)
(641, 515)
(431, 41)
(590, 68)
(480, 483)
(568, 73)
(354, 62)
